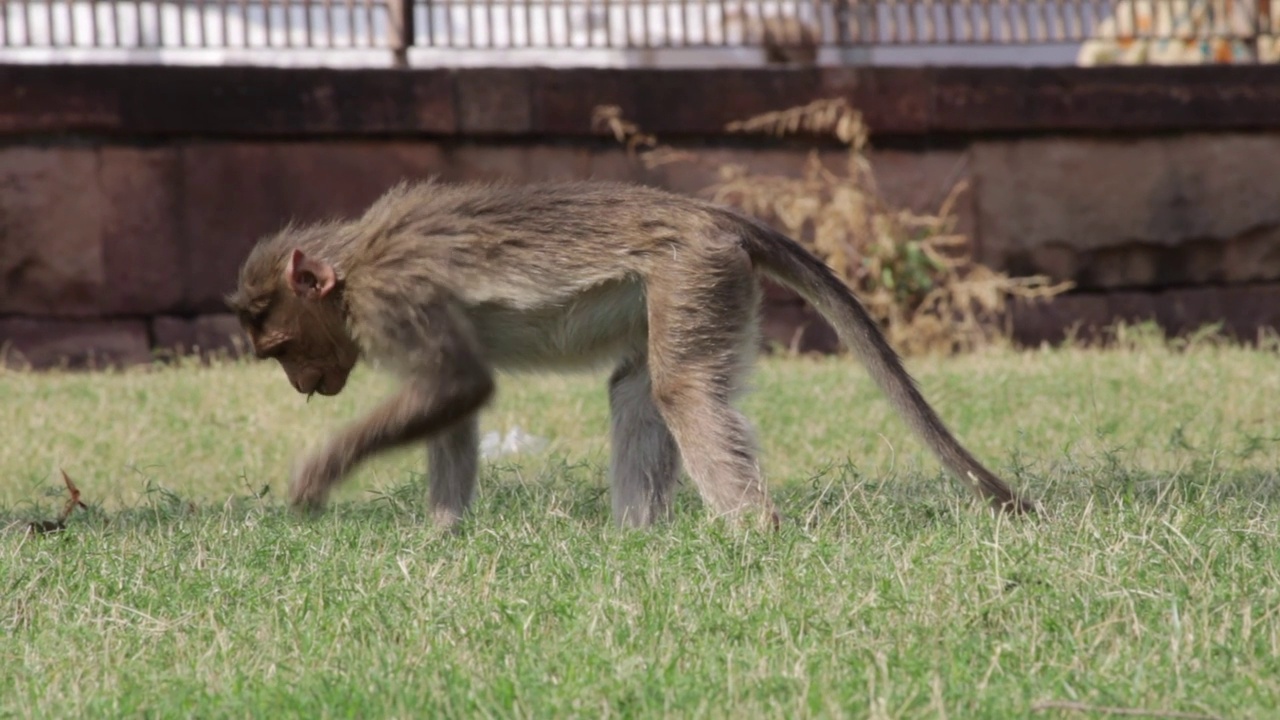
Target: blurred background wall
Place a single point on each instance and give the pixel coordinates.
(1129, 147)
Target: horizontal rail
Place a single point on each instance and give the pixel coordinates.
(623, 24)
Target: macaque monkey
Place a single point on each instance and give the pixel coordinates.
(444, 284)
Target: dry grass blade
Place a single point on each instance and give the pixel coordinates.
(40, 527)
(609, 117)
(820, 117)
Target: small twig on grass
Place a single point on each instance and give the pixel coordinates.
(38, 527)
(1085, 707)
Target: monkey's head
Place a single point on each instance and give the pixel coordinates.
(294, 314)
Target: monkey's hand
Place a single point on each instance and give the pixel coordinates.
(312, 480)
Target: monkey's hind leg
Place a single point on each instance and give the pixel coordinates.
(452, 462)
(701, 343)
(645, 462)
(719, 453)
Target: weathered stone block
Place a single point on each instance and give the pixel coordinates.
(51, 214)
(556, 162)
(140, 231)
(563, 102)
(237, 192)
(75, 344)
(893, 100)
(494, 100)
(1125, 213)
(474, 161)
(613, 163)
(922, 181)
(1243, 312)
(518, 163)
(203, 335)
(87, 232)
(693, 178)
(796, 327)
(1082, 315)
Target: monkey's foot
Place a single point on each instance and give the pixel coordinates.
(446, 520)
(309, 489)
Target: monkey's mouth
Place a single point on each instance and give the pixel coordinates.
(327, 384)
(322, 390)
(331, 384)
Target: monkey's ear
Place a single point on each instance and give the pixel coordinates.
(310, 279)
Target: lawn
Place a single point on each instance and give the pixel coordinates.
(187, 590)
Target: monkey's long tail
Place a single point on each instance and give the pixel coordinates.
(784, 260)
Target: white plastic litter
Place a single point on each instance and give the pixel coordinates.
(493, 445)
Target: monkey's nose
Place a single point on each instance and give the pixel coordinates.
(329, 388)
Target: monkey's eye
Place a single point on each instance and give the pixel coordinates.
(252, 321)
(272, 352)
(258, 320)
(254, 315)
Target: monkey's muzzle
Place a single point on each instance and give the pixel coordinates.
(326, 383)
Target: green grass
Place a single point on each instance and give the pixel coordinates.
(890, 593)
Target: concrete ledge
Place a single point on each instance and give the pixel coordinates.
(204, 335)
(1244, 312)
(78, 344)
(257, 102)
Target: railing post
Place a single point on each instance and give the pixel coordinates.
(842, 18)
(400, 13)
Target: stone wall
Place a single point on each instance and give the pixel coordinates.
(128, 196)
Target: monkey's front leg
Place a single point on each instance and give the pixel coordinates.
(453, 458)
(317, 474)
(420, 410)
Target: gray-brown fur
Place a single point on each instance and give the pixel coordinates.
(446, 284)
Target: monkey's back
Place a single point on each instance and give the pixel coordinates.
(546, 272)
(504, 243)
